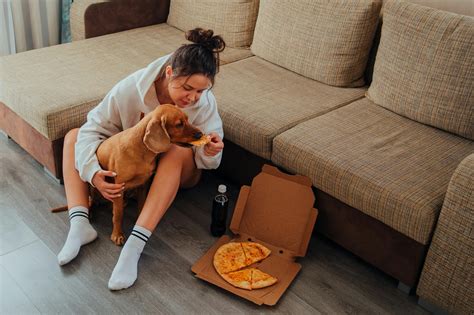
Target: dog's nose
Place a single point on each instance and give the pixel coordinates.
(197, 135)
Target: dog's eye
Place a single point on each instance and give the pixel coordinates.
(179, 125)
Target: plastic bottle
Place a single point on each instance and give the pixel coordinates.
(219, 212)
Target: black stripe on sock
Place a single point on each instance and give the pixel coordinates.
(142, 234)
(82, 212)
(78, 215)
(138, 236)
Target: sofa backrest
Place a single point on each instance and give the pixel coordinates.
(465, 7)
(328, 41)
(424, 66)
(234, 20)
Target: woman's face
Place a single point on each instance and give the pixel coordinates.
(186, 91)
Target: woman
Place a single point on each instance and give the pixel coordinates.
(183, 78)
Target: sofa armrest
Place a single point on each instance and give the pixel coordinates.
(91, 18)
(447, 278)
(78, 8)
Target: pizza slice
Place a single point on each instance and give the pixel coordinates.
(261, 279)
(205, 139)
(240, 279)
(248, 279)
(229, 257)
(254, 252)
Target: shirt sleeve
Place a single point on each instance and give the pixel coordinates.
(102, 122)
(208, 120)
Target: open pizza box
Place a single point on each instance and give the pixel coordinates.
(277, 212)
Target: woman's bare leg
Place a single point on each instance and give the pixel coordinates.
(176, 168)
(77, 191)
(77, 195)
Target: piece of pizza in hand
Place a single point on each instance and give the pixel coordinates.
(205, 139)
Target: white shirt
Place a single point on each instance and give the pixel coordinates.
(121, 109)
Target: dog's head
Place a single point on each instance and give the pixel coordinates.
(169, 124)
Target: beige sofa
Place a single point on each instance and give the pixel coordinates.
(380, 164)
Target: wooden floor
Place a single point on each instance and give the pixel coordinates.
(332, 280)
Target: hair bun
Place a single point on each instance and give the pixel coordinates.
(206, 38)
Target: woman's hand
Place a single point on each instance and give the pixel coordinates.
(215, 146)
(110, 191)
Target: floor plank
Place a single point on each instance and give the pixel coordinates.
(14, 233)
(12, 299)
(332, 280)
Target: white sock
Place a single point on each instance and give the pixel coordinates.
(125, 271)
(80, 233)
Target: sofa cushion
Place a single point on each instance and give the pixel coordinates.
(258, 100)
(328, 41)
(387, 166)
(53, 88)
(234, 20)
(424, 67)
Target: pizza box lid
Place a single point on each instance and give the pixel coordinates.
(276, 211)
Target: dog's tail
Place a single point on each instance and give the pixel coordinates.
(64, 208)
(59, 209)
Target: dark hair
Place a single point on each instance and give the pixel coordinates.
(200, 57)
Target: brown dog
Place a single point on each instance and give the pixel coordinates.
(132, 154)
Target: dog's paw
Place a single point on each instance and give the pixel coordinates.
(118, 238)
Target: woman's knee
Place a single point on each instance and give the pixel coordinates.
(71, 137)
(182, 158)
(178, 154)
(191, 179)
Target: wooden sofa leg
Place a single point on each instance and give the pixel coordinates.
(431, 307)
(405, 288)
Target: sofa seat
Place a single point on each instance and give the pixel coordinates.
(54, 88)
(389, 167)
(258, 100)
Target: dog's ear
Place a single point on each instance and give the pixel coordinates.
(156, 137)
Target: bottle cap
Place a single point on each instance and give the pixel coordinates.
(222, 189)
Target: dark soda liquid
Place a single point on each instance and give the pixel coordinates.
(219, 215)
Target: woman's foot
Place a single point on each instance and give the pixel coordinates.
(126, 270)
(80, 233)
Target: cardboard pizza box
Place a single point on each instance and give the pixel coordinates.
(276, 211)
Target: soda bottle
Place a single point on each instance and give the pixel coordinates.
(219, 212)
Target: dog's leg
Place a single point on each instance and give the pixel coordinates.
(117, 234)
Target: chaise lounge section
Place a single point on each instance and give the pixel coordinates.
(47, 92)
